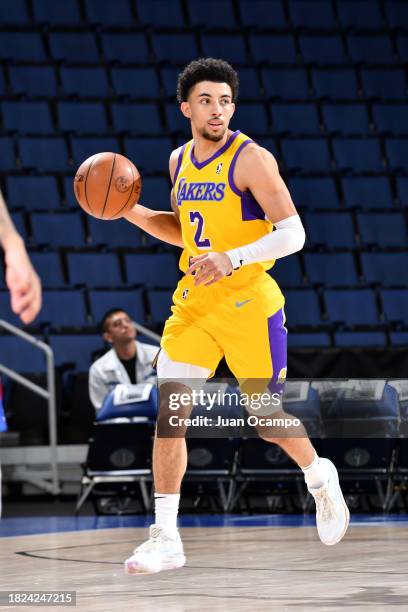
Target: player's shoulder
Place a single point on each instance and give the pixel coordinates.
(254, 155)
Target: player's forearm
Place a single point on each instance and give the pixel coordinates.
(7, 230)
(160, 224)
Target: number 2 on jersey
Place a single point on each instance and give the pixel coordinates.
(202, 243)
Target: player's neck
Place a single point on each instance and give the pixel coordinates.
(126, 350)
(204, 148)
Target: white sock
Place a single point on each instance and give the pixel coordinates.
(166, 510)
(315, 474)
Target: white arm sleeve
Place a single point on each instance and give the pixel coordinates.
(288, 237)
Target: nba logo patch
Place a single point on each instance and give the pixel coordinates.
(219, 168)
(185, 294)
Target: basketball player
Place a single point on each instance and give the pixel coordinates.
(227, 197)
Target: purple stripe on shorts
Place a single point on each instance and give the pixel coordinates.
(278, 347)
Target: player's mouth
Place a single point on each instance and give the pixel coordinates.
(216, 125)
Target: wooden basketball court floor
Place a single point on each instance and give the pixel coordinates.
(233, 562)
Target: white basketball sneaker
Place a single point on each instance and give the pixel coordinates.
(158, 553)
(332, 514)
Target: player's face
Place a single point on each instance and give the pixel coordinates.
(120, 328)
(210, 109)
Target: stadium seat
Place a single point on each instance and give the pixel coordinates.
(147, 270)
(399, 338)
(358, 155)
(21, 356)
(230, 47)
(250, 119)
(136, 82)
(27, 117)
(77, 350)
(82, 148)
(56, 230)
(269, 144)
(125, 48)
(354, 339)
(22, 46)
(402, 190)
(383, 229)
(33, 81)
(351, 307)
(109, 14)
(160, 301)
(332, 269)
(64, 13)
(169, 76)
(395, 305)
(49, 269)
(397, 153)
(391, 118)
(397, 13)
(314, 192)
(295, 119)
(44, 154)
(84, 117)
(249, 85)
(355, 14)
(33, 192)
(287, 272)
(386, 84)
(335, 84)
(63, 309)
(156, 193)
(14, 12)
(160, 13)
(94, 269)
(385, 268)
(180, 53)
(346, 119)
(149, 154)
(176, 122)
(2, 84)
(307, 340)
(333, 230)
(277, 49)
(202, 14)
(85, 82)
(402, 42)
(323, 49)
(74, 47)
(306, 154)
(136, 118)
(373, 49)
(367, 192)
(7, 155)
(316, 14)
(285, 84)
(19, 223)
(131, 301)
(269, 14)
(116, 234)
(302, 308)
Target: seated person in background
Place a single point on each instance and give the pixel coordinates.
(128, 361)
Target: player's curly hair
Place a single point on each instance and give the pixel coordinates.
(206, 69)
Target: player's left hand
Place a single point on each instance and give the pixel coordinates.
(209, 267)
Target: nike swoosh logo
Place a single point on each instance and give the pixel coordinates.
(239, 304)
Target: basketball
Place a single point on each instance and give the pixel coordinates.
(107, 185)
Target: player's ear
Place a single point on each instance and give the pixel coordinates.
(185, 109)
(232, 109)
(107, 337)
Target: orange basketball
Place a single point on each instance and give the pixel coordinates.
(107, 185)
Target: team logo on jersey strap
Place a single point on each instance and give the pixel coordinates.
(200, 191)
(219, 168)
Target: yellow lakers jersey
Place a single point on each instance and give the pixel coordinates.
(214, 214)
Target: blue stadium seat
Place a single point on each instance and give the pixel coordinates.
(395, 304)
(374, 49)
(397, 153)
(26, 46)
(286, 84)
(33, 192)
(302, 308)
(331, 269)
(204, 14)
(307, 340)
(27, 117)
(403, 47)
(383, 229)
(136, 82)
(61, 13)
(33, 81)
(136, 118)
(358, 155)
(19, 224)
(367, 192)
(250, 119)
(44, 154)
(323, 49)
(109, 14)
(75, 349)
(176, 122)
(357, 14)
(131, 301)
(333, 230)
(69, 199)
(182, 52)
(7, 154)
(230, 47)
(397, 13)
(353, 339)
(399, 338)
(268, 143)
(402, 190)
(61, 229)
(49, 269)
(313, 14)
(169, 78)
(156, 193)
(147, 270)
(85, 82)
(2, 84)
(5, 308)
(385, 268)
(256, 12)
(125, 48)
(351, 307)
(116, 234)
(339, 84)
(287, 272)
(74, 47)
(384, 83)
(14, 12)
(277, 49)
(21, 356)
(391, 118)
(314, 192)
(149, 154)
(346, 118)
(63, 309)
(160, 13)
(249, 86)
(306, 155)
(82, 148)
(160, 301)
(295, 119)
(94, 269)
(84, 117)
